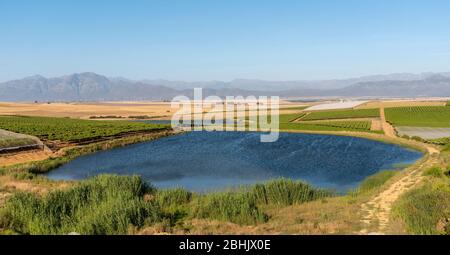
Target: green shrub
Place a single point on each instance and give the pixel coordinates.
(434, 172)
(417, 138)
(105, 204)
(423, 209)
(376, 180)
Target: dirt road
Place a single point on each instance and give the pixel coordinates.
(387, 128)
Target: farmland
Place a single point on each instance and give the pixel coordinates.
(429, 116)
(284, 118)
(343, 114)
(70, 130)
(328, 126)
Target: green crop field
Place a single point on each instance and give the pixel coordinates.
(419, 116)
(328, 126)
(71, 130)
(284, 118)
(343, 114)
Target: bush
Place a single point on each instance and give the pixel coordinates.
(434, 172)
(417, 138)
(103, 205)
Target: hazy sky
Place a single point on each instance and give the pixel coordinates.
(222, 40)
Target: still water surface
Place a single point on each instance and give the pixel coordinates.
(205, 161)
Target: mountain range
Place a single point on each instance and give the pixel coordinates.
(94, 87)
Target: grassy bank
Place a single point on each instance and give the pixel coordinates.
(426, 210)
(110, 204)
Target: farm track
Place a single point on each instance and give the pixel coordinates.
(376, 212)
(387, 128)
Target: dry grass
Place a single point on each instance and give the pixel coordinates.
(399, 103)
(326, 216)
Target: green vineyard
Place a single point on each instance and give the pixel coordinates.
(424, 116)
(71, 130)
(284, 118)
(364, 126)
(343, 114)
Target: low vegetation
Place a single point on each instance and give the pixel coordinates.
(343, 114)
(109, 204)
(71, 130)
(420, 116)
(426, 210)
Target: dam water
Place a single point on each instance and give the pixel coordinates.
(206, 161)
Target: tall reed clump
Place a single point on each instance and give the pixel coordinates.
(285, 192)
(173, 198)
(105, 204)
(244, 206)
(234, 207)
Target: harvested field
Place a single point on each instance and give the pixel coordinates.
(161, 110)
(398, 103)
(86, 110)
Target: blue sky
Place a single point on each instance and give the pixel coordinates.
(223, 40)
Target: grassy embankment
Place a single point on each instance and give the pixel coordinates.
(119, 205)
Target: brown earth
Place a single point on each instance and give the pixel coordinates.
(24, 157)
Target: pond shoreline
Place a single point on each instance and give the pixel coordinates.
(252, 164)
(66, 155)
